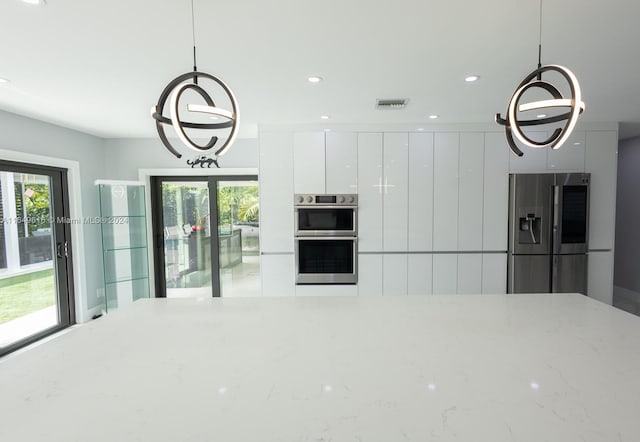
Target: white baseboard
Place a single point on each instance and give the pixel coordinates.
(90, 313)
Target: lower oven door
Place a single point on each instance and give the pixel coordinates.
(326, 260)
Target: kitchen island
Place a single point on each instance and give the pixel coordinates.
(416, 368)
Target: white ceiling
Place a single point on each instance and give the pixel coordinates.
(99, 66)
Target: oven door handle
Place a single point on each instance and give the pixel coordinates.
(314, 206)
(324, 238)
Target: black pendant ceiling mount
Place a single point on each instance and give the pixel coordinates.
(513, 125)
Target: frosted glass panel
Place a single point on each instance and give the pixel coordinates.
(125, 264)
(122, 200)
(124, 232)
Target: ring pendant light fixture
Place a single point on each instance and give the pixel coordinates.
(513, 126)
(170, 98)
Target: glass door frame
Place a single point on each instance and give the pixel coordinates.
(157, 222)
(63, 263)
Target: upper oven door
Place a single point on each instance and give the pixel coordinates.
(326, 220)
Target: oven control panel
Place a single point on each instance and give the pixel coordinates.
(348, 199)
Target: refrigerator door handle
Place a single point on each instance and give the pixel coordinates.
(557, 212)
(554, 274)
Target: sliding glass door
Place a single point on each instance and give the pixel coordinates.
(238, 238)
(206, 236)
(186, 238)
(36, 296)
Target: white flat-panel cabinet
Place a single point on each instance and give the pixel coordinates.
(470, 192)
(445, 192)
(494, 273)
(308, 162)
(534, 160)
(419, 271)
(369, 275)
(570, 157)
(445, 274)
(601, 162)
(469, 273)
(326, 290)
(420, 211)
(395, 192)
(600, 282)
(496, 192)
(370, 192)
(276, 192)
(277, 274)
(394, 279)
(341, 162)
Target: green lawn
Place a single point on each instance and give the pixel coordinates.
(24, 294)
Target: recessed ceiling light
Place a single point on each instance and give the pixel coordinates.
(541, 116)
(421, 129)
(314, 79)
(324, 117)
(471, 78)
(3, 80)
(577, 143)
(434, 116)
(34, 2)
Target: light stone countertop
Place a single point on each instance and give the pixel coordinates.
(492, 368)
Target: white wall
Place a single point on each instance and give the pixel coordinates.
(22, 136)
(124, 156)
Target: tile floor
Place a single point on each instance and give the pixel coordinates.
(240, 280)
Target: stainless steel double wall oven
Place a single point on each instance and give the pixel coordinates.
(326, 239)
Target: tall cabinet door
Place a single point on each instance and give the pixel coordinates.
(469, 273)
(470, 193)
(494, 273)
(342, 162)
(419, 281)
(308, 162)
(394, 280)
(420, 213)
(445, 193)
(395, 192)
(496, 193)
(445, 273)
(370, 275)
(276, 192)
(601, 162)
(600, 276)
(370, 192)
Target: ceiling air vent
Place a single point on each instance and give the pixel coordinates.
(396, 103)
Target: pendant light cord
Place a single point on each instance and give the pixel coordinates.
(193, 36)
(540, 43)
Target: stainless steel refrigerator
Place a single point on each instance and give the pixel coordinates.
(548, 233)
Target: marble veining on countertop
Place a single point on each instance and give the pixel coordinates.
(426, 368)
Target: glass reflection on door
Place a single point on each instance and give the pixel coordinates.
(28, 288)
(187, 238)
(238, 238)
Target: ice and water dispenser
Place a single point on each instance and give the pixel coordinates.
(530, 229)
